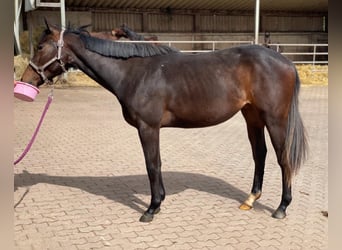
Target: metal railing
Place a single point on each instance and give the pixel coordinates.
(309, 51)
(213, 44)
(170, 42)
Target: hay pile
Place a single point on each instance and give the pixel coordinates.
(20, 64)
(309, 74)
(78, 78)
(313, 74)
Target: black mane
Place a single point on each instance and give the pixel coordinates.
(123, 50)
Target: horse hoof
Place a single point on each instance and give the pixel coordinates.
(245, 207)
(146, 217)
(279, 214)
(157, 210)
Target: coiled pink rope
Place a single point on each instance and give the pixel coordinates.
(36, 131)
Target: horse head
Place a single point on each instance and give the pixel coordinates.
(119, 32)
(49, 58)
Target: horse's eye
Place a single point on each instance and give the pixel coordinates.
(40, 47)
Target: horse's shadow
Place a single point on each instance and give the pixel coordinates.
(123, 189)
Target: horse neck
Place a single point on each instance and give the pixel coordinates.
(104, 70)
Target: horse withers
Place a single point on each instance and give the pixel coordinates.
(158, 86)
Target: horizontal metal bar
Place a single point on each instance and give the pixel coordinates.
(299, 44)
(53, 5)
(168, 42)
(304, 53)
(195, 51)
(310, 62)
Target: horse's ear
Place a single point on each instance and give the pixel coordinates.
(50, 28)
(84, 27)
(47, 26)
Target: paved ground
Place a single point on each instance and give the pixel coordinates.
(83, 185)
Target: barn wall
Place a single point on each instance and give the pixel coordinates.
(292, 23)
(190, 21)
(200, 26)
(75, 18)
(186, 25)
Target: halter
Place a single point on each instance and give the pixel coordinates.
(40, 69)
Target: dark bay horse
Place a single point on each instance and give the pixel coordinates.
(122, 32)
(158, 86)
(128, 33)
(105, 35)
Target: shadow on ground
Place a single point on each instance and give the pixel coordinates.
(123, 189)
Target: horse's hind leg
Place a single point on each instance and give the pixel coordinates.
(277, 131)
(256, 136)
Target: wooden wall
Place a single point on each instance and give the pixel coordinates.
(187, 21)
(191, 21)
(189, 25)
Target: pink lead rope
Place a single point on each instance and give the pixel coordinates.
(50, 97)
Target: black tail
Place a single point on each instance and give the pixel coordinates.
(296, 143)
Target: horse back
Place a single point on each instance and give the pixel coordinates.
(206, 89)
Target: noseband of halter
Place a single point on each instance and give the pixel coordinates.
(40, 69)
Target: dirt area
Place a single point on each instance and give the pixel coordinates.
(309, 74)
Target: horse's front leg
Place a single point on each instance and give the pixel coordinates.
(149, 138)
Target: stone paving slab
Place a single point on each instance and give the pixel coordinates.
(83, 185)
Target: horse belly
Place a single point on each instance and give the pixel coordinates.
(193, 115)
